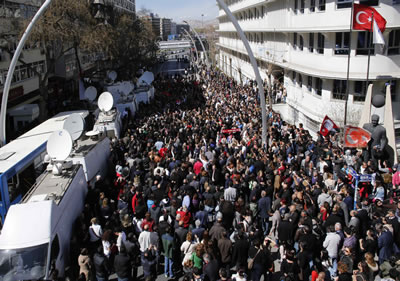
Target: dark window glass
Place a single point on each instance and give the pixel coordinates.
(321, 43)
(364, 43)
(311, 42)
(339, 89)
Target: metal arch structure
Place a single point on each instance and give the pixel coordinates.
(201, 42)
(194, 43)
(11, 69)
(253, 64)
(47, 3)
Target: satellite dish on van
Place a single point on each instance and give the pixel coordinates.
(112, 75)
(59, 145)
(91, 93)
(105, 102)
(75, 125)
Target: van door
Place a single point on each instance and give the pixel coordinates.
(54, 255)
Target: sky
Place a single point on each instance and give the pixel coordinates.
(180, 10)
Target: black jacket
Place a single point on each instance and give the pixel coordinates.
(122, 266)
(240, 252)
(101, 265)
(211, 270)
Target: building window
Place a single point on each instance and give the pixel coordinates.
(295, 40)
(339, 89)
(340, 4)
(311, 42)
(294, 75)
(342, 43)
(394, 42)
(318, 86)
(300, 81)
(302, 5)
(301, 42)
(321, 43)
(369, 2)
(364, 43)
(322, 5)
(296, 6)
(312, 5)
(309, 83)
(360, 90)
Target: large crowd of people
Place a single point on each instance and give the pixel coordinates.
(205, 199)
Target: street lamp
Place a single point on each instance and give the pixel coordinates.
(201, 42)
(11, 69)
(254, 65)
(194, 43)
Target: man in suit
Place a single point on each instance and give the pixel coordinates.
(210, 268)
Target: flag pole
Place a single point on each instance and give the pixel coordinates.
(369, 52)
(348, 66)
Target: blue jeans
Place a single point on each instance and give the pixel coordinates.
(265, 225)
(101, 278)
(168, 264)
(333, 269)
(123, 279)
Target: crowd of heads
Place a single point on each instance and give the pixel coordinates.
(207, 199)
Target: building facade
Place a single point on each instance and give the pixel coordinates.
(166, 25)
(24, 88)
(305, 45)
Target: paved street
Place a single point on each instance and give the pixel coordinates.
(172, 67)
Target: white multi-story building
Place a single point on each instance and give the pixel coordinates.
(306, 44)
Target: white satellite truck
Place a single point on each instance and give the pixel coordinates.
(36, 235)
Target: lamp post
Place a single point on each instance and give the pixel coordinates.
(194, 43)
(254, 65)
(11, 69)
(201, 42)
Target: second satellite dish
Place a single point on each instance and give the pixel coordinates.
(59, 145)
(91, 93)
(105, 102)
(75, 125)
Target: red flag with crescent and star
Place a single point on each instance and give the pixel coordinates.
(356, 137)
(327, 126)
(362, 18)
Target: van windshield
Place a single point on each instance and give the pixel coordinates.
(23, 264)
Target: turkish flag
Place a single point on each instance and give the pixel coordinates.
(362, 18)
(356, 137)
(327, 126)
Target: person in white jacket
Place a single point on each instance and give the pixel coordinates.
(324, 197)
(144, 239)
(331, 244)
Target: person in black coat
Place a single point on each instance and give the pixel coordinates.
(240, 250)
(133, 251)
(122, 265)
(210, 268)
(101, 265)
(285, 231)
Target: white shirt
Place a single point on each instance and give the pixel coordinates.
(95, 232)
(144, 241)
(120, 240)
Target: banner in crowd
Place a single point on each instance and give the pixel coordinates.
(327, 126)
(230, 131)
(356, 137)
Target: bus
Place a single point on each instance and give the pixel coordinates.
(21, 160)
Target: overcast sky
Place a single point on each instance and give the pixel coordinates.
(180, 10)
